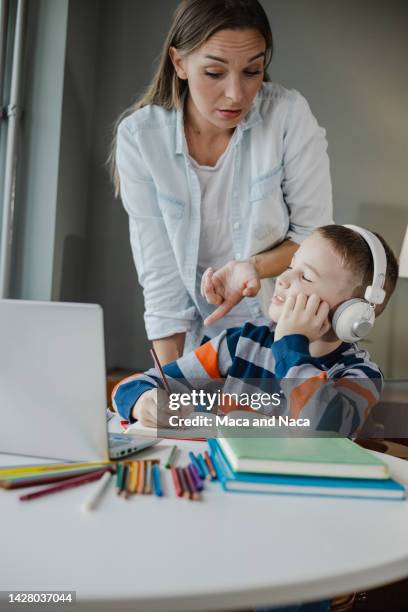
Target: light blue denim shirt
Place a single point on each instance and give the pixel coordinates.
(281, 189)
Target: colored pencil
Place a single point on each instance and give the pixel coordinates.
(194, 474)
(119, 477)
(57, 473)
(204, 466)
(183, 483)
(148, 478)
(210, 465)
(196, 464)
(96, 495)
(156, 480)
(172, 457)
(123, 485)
(141, 478)
(132, 480)
(130, 477)
(36, 470)
(176, 481)
(32, 481)
(162, 374)
(62, 486)
(191, 484)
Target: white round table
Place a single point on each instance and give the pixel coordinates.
(227, 551)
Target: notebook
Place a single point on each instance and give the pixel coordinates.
(284, 484)
(336, 457)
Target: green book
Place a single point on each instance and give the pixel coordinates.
(331, 457)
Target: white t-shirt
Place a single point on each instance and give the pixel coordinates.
(216, 245)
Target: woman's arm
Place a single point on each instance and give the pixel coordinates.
(169, 309)
(171, 348)
(274, 262)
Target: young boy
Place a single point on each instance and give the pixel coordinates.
(332, 383)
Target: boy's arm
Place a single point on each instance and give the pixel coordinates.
(340, 403)
(195, 370)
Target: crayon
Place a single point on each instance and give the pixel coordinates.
(176, 481)
(197, 480)
(172, 457)
(183, 482)
(156, 480)
(94, 499)
(141, 477)
(196, 464)
(210, 465)
(204, 466)
(191, 484)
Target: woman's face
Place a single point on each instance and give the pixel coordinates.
(224, 75)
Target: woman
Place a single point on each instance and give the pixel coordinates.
(218, 169)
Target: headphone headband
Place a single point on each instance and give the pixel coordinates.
(374, 293)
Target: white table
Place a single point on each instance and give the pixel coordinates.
(227, 551)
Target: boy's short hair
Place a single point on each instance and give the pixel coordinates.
(356, 256)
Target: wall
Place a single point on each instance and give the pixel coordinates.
(347, 58)
(69, 277)
(40, 142)
(130, 39)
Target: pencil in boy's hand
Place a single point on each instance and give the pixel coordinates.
(159, 367)
(66, 484)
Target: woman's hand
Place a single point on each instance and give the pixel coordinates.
(228, 285)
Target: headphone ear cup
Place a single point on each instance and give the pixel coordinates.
(353, 320)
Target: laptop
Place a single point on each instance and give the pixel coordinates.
(53, 383)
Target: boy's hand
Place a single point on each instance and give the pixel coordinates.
(303, 315)
(152, 409)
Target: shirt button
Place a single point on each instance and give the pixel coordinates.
(237, 255)
(236, 225)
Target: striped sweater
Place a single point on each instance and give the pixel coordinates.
(335, 391)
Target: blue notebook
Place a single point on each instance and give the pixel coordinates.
(278, 484)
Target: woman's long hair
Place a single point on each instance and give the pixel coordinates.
(194, 22)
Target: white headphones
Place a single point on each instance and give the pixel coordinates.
(354, 319)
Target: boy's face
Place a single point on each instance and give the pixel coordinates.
(314, 269)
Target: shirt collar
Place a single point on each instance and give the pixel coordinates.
(253, 117)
